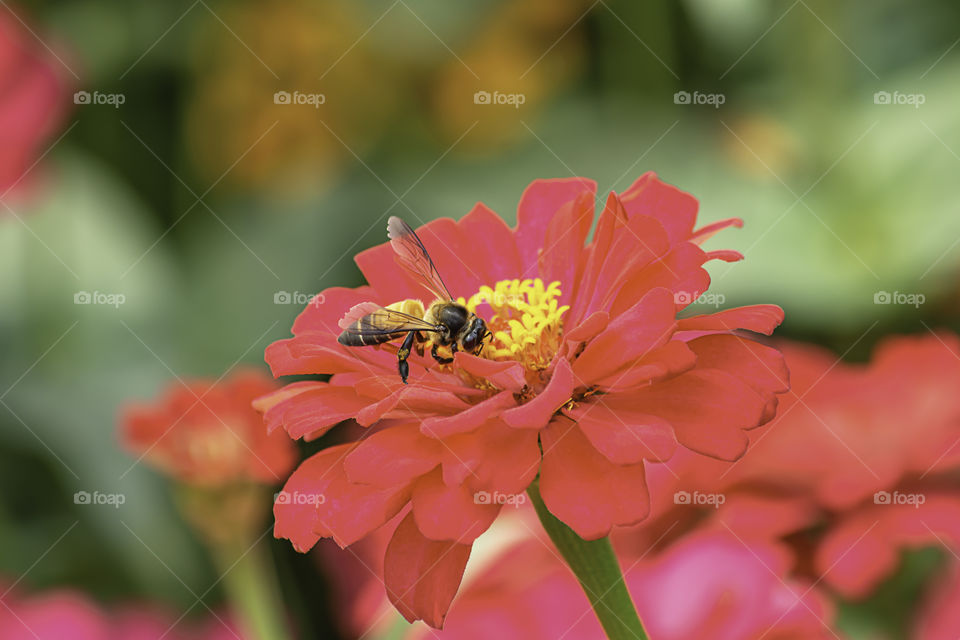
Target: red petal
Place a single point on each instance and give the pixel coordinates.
(411, 401)
(761, 318)
(269, 400)
(296, 518)
(536, 413)
(611, 218)
(680, 271)
(495, 457)
(470, 419)
(589, 328)
(393, 456)
(707, 408)
(705, 233)
(645, 326)
(675, 209)
(421, 575)
(319, 501)
(671, 359)
(561, 257)
(625, 436)
(312, 411)
(504, 375)
(639, 244)
(540, 201)
(727, 255)
(487, 231)
(352, 510)
(323, 312)
(584, 489)
(456, 513)
(760, 366)
(311, 353)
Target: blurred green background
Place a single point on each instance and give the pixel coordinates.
(200, 198)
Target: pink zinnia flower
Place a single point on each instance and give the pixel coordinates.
(32, 93)
(67, 613)
(589, 375)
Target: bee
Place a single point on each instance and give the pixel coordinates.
(445, 323)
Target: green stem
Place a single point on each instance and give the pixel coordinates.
(251, 585)
(595, 565)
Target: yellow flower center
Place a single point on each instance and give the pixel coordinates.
(526, 320)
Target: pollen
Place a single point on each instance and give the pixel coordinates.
(525, 319)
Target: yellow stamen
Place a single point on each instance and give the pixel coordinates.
(526, 320)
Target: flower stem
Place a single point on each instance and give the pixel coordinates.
(251, 586)
(227, 519)
(595, 566)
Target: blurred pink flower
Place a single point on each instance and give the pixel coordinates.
(863, 547)
(62, 614)
(53, 615)
(33, 95)
(939, 617)
(712, 585)
(708, 585)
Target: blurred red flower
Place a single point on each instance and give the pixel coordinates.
(587, 378)
(207, 433)
(860, 465)
(32, 98)
(847, 431)
(67, 613)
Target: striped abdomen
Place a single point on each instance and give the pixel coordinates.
(356, 336)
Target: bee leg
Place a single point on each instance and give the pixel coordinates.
(438, 357)
(403, 353)
(418, 343)
(484, 337)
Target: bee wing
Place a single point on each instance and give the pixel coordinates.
(413, 256)
(370, 319)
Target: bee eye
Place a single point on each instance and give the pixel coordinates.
(470, 341)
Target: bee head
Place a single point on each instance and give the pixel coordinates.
(474, 335)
